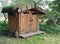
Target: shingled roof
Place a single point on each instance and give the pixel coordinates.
(31, 7)
(23, 8)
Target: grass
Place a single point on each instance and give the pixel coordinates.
(52, 36)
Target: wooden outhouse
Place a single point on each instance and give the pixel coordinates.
(24, 20)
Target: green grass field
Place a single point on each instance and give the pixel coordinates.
(52, 36)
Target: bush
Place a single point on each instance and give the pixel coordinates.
(50, 28)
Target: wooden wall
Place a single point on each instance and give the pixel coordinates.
(13, 23)
(25, 23)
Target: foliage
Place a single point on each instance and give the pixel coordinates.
(56, 5)
(25, 2)
(53, 29)
(54, 14)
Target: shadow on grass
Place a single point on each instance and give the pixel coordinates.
(53, 29)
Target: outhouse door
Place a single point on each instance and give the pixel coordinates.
(34, 24)
(29, 23)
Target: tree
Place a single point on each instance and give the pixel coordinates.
(26, 2)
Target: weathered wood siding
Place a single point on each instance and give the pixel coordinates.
(28, 22)
(35, 22)
(13, 23)
(24, 23)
